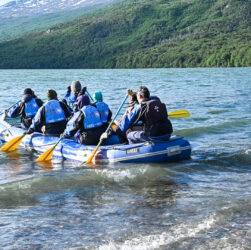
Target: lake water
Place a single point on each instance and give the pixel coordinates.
(201, 203)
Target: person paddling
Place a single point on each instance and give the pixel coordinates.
(51, 117)
(26, 108)
(133, 103)
(85, 125)
(103, 109)
(72, 94)
(153, 114)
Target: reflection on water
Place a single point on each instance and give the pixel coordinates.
(46, 165)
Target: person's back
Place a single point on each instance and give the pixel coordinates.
(91, 128)
(103, 109)
(72, 94)
(55, 119)
(31, 106)
(153, 115)
(92, 117)
(155, 118)
(51, 117)
(26, 108)
(82, 100)
(85, 125)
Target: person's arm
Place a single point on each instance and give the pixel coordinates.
(38, 121)
(75, 107)
(141, 113)
(15, 111)
(128, 110)
(66, 110)
(109, 116)
(73, 124)
(39, 102)
(130, 119)
(70, 97)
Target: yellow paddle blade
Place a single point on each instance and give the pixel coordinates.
(12, 144)
(94, 152)
(47, 155)
(179, 114)
(47, 165)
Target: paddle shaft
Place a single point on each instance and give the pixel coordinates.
(100, 141)
(46, 156)
(11, 107)
(57, 143)
(116, 114)
(89, 96)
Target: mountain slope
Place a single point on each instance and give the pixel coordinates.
(25, 8)
(141, 33)
(11, 28)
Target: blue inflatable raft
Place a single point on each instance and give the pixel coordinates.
(174, 149)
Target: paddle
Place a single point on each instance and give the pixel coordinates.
(179, 114)
(12, 144)
(101, 140)
(11, 107)
(47, 155)
(89, 96)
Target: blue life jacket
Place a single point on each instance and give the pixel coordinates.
(53, 112)
(70, 98)
(103, 110)
(31, 108)
(70, 126)
(92, 117)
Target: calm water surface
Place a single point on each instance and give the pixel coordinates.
(202, 203)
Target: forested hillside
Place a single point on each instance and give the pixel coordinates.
(14, 27)
(11, 28)
(139, 34)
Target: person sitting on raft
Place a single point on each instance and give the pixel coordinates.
(153, 114)
(51, 117)
(81, 99)
(132, 102)
(103, 109)
(26, 108)
(72, 94)
(85, 125)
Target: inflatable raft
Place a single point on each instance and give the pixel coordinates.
(176, 148)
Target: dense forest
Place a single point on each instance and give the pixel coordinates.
(141, 34)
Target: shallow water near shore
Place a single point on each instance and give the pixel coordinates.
(201, 203)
